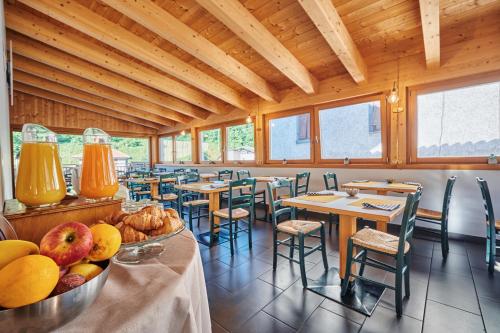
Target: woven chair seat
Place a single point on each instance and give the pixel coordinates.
(429, 214)
(142, 192)
(166, 197)
(237, 213)
(200, 202)
(378, 240)
(294, 227)
(259, 192)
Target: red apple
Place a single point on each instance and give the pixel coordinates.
(63, 271)
(68, 282)
(67, 243)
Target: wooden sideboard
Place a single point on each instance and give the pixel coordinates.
(32, 223)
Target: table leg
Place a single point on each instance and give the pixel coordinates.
(347, 228)
(381, 192)
(213, 205)
(154, 190)
(382, 226)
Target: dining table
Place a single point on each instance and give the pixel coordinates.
(349, 208)
(382, 187)
(206, 177)
(153, 181)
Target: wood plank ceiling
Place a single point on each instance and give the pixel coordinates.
(166, 62)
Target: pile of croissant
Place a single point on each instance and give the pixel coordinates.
(148, 222)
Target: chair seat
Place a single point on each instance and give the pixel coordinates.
(259, 192)
(142, 192)
(378, 240)
(429, 214)
(237, 213)
(294, 227)
(200, 202)
(166, 197)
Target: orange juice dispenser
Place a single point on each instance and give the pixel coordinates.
(98, 179)
(40, 179)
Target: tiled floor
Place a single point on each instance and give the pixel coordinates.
(245, 294)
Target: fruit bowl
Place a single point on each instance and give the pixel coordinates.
(134, 253)
(54, 311)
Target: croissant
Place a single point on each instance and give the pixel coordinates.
(171, 213)
(169, 225)
(153, 210)
(143, 222)
(130, 235)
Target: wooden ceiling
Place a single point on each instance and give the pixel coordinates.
(169, 62)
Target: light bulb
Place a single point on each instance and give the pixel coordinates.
(183, 132)
(393, 97)
(249, 119)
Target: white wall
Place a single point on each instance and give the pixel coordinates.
(5, 172)
(466, 212)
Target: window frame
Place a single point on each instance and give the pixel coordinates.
(384, 129)
(222, 144)
(412, 118)
(284, 114)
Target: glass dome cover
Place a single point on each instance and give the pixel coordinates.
(37, 133)
(96, 135)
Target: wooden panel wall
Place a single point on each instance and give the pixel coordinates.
(67, 119)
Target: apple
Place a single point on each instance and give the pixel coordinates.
(68, 282)
(67, 243)
(63, 271)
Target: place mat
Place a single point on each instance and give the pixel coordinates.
(401, 185)
(359, 203)
(320, 198)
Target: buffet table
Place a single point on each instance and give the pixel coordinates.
(166, 294)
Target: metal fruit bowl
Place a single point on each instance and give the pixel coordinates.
(55, 311)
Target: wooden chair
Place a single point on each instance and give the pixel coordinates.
(293, 228)
(331, 184)
(224, 175)
(167, 192)
(301, 188)
(370, 240)
(197, 208)
(492, 226)
(260, 195)
(236, 212)
(440, 217)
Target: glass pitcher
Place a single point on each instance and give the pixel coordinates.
(98, 178)
(40, 179)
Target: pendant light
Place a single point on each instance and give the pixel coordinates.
(393, 97)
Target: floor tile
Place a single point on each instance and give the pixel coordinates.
(323, 320)
(214, 268)
(216, 328)
(487, 285)
(385, 320)
(414, 306)
(443, 318)
(454, 264)
(491, 313)
(343, 311)
(286, 274)
(240, 276)
(262, 323)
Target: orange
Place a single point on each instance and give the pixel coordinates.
(27, 280)
(88, 271)
(107, 241)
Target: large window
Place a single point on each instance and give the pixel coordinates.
(289, 137)
(455, 122)
(183, 152)
(240, 142)
(352, 130)
(211, 145)
(166, 149)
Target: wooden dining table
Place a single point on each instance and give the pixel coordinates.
(381, 187)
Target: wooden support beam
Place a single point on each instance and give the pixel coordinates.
(85, 20)
(240, 21)
(328, 21)
(52, 34)
(57, 88)
(429, 14)
(153, 17)
(41, 70)
(27, 89)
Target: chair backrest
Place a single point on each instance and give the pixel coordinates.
(225, 174)
(331, 183)
(488, 206)
(245, 200)
(192, 170)
(167, 187)
(192, 177)
(447, 198)
(409, 216)
(277, 209)
(242, 174)
(179, 171)
(144, 173)
(302, 183)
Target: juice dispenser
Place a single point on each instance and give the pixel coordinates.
(98, 178)
(40, 179)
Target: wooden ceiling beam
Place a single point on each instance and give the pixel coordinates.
(327, 20)
(55, 75)
(49, 95)
(153, 17)
(41, 30)
(429, 14)
(60, 89)
(240, 21)
(90, 23)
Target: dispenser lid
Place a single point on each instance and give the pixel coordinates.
(96, 135)
(37, 133)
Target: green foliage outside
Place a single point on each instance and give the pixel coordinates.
(211, 143)
(240, 136)
(183, 148)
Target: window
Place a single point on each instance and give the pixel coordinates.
(211, 145)
(240, 144)
(289, 137)
(166, 149)
(456, 123)
(183, 151)
(131, 149)
(351, 130)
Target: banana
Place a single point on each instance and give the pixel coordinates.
(13, 249)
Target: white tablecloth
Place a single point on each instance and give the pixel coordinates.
(167, 294)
